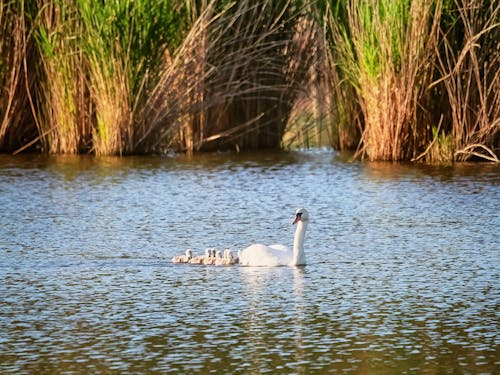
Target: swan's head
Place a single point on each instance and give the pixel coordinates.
(301, 215)
(189, 254)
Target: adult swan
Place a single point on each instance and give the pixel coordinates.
(279, 255)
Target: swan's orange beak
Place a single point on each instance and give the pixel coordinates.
(297, 218)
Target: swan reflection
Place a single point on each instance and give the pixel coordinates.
(276, 298)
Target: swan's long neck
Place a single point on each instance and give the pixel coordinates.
(299, 258)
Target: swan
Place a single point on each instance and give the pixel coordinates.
(183, 258)
(214, 255)
(202, 259)
(228, 254)
(227, 259)
(219, 259)
(279, 255)
(199, 259)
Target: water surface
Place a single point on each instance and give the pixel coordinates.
(402, 276)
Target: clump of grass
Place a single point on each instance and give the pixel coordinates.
(442, 149)
(61, 76)
(123, 44)
(382, 51)
(97, 63)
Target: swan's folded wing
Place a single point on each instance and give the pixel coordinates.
(264, 256)
(280, 247)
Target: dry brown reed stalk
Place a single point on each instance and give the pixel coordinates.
(232, 83)
(246, 89)
(346, 113)
(311, 115)
(13, 99)
(62, 104)
(165, 121)
(471, 78)
(273, 49)
(344, 116)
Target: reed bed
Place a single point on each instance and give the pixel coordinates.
(381, 49)
(468, 61)
(233, 82)
(59, 69)
(13, 95)
(113, 48)
(394, 80)
(423, 74)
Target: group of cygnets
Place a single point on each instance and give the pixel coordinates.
(212, 257)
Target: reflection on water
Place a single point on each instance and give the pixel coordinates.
(403, 269)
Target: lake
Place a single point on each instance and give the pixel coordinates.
(403, 270)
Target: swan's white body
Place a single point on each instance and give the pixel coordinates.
(279, 255)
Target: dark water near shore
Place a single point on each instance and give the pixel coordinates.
(403, 269)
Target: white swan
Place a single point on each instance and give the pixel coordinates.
(279, 255)
(203, 259)
(211, 257)
(183, 258)
(228, 254)
(219, 259)
(227, 259)
(199, 259)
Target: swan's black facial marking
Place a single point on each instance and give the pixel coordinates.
(298, 217)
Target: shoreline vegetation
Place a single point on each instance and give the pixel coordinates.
(390, 80)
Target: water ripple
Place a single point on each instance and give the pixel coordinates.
(402, 275)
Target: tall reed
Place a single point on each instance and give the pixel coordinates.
(383, 51)
(176, 99)
(264, 65)
(61, 92)
(14, 129)
(315, 107)
(233, 82)
(467, 60)
(403, 80)
(123, 43)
